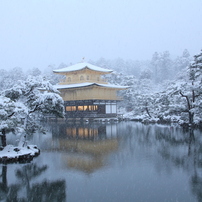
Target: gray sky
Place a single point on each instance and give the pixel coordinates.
(36, 33)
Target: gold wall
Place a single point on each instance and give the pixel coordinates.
(85, 75)
(88, 93)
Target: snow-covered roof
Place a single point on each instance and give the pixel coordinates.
(80, 66)
(79, 85)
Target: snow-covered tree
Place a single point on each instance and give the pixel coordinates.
(185, 94)
(23, 105)
(102, 62)
(8, 78)
(146, 74)
(161, 65)
(53, 78)
(34, 71)
(182, 61)
(155, 63)
(194, 96)
(11, 115)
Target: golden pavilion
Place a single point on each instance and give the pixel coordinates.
(86, 93)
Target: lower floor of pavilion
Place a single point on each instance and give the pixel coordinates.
(91, 108)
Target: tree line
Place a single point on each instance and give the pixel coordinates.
(157, 99)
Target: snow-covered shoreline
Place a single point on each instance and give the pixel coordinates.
(12, 153)
(129, 116)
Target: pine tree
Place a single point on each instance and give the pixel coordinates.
(195, 77)
(23, 105)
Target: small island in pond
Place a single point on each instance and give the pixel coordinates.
(12, 154)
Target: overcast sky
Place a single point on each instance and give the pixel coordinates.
(37, 33)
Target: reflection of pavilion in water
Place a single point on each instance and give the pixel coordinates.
(88, 145)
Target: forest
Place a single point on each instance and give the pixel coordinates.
(164, 89)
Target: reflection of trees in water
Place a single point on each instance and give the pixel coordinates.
(47, 191)
(42, 191)
(7, 192)
(196, 182)
(195, 152)
(133, 139)
(184, 150)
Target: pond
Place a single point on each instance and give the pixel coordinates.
(123, 161)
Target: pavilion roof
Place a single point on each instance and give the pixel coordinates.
(79, 85)
(81, 66)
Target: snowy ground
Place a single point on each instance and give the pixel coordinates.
(12, 152)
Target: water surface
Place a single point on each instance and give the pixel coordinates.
(124, 161)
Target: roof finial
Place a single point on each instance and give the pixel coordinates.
(83, 59)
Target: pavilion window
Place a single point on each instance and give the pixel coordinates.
(69, 79)
(80, 108)
(86, 133)
(85, 108)
(80, 132)
(73, 108)
(93, 132)
(81, 78)
(92, 107)
(72, 132)
(70, 108)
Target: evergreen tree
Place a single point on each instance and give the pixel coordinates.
(181, 62)
(23, 105)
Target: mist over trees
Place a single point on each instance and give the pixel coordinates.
(163, 89)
